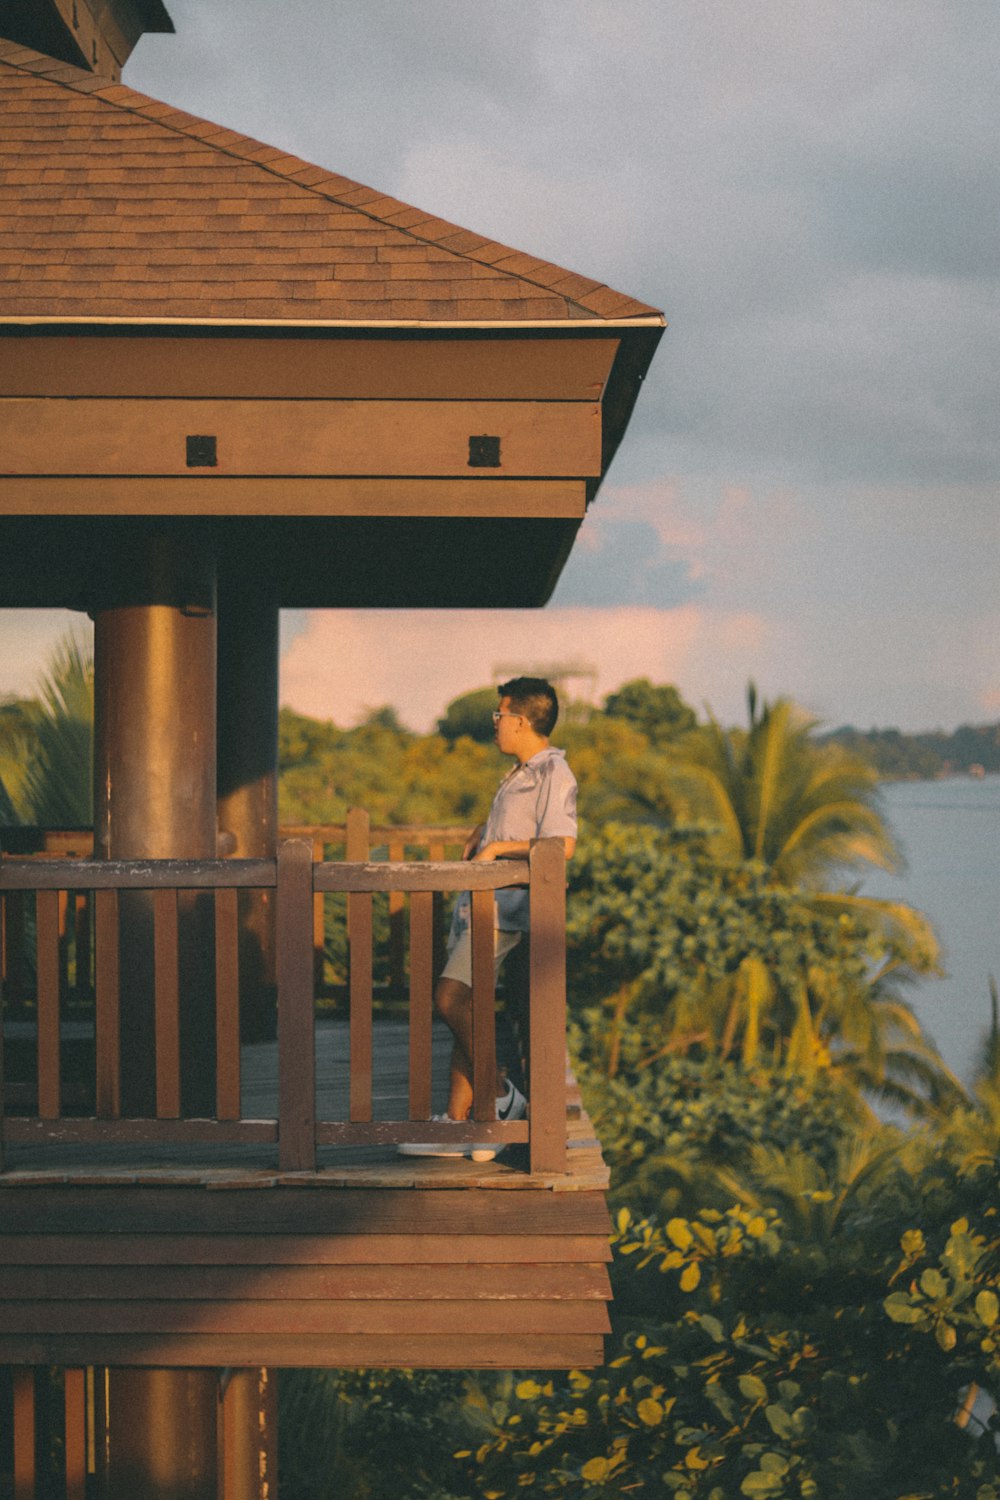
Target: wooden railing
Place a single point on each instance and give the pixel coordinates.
(423, 841)
(94, 958)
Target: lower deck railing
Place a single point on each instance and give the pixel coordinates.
(160, 940)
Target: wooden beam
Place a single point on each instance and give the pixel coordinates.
(467, 1349)
(123, 1249)
(155, 1318)
(486, 369)
(298, 1210)
(403, 438)
(482, 1282)
(452, 498)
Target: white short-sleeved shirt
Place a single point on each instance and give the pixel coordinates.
(535, 800)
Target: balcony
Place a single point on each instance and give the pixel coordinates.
(248, 1205)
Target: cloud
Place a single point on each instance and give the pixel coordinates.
(346, 662)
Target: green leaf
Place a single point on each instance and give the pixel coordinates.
(946, 1336)
(753, 1388)
(780, 1422)
(987, 1308)
(761, 1483)
(679, 1234)
(774, 1463)
(933, 1284)
(901, 1309)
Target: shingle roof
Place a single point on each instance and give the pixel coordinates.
(117, 205)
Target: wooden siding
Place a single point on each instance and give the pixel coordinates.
(392, 439)
(301, 1276)
(396, 369)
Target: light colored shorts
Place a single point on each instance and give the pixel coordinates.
(459, 965)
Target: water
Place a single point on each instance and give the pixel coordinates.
(949, 832)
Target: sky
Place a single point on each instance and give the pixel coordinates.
(808, 492)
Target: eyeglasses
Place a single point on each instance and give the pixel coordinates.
(498, 715)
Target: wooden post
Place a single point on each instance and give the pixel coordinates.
(107, 1005)
(359, 938)
(76, 1434)
(24, 1433)
(547, 1005)
(47, 921)
(227, 1003)
(167, 1001)
(247, 1428)
(484, 1064)
(248, 770)
(296, 1022)
(421, 1011)
(397, 923)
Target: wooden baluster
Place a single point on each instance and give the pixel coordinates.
(421, 1001)
(63, 942)
(397, 929)
(3, 1000)
(81, 943)
(167, 1005)
(359, 938)
(296, 1023)
(47, 1000)
(227, 1005)
(76, 1434)
(108, 1039)
(547, 1006)
(24, 1433)
(14, 946)
(436, 856)
(319, 930)
(484, 1051)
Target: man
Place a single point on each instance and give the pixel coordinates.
(536, 799)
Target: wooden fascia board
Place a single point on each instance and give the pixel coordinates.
(496, 499)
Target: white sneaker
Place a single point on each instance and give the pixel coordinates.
(435, 1148)
(510, 1106)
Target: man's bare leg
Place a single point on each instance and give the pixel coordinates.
(453, 1001)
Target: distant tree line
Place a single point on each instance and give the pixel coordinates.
(926, 756)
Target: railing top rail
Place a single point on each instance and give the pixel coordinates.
(452, 875)
(383, 833)
(134, 874)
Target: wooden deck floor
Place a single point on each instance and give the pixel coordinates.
(354, 1166)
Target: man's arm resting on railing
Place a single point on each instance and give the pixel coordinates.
(514, 849)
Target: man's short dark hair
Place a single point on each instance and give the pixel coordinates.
(535, 699)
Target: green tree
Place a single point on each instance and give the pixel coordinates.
(722, 959)
(469, 715)
(658, 711)
(777, 796)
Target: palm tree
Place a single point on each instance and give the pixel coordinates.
(778, 797)
(57, 781)
(807, 812)
(974, 1129)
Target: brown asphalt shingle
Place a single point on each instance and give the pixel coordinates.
(113, 204)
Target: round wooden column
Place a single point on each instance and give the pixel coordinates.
(248, 778)
(154, 785)
(155, 771)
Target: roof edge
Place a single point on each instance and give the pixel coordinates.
(30, 320)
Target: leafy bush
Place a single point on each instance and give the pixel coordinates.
(750, 1365)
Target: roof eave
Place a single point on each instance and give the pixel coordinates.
(33, 320)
